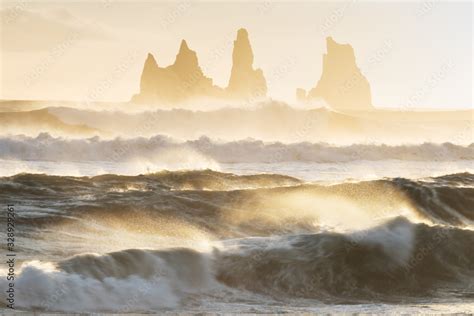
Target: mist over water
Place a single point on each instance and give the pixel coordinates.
(268, 121)
(197, 238)
(268, 208)
(246, 157)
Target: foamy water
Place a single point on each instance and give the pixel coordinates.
(297, 210)
(193, 241)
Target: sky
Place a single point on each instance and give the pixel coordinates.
(415, 54)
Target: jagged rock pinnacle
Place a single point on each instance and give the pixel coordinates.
(183, 46)
(186, 61)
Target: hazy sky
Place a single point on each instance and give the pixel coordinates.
(414, 54)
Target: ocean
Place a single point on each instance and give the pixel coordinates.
(372, 236)
(236, 157)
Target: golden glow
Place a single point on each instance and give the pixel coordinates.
(95, 51)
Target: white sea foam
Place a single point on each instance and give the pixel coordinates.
(170, 151)
(151, 283)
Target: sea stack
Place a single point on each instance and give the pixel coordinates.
(192, 80)
(342, 85)
(147, 81)
(184, 79)
(176, 83)
(245, 82)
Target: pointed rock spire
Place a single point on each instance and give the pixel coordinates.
(184, 46)
(242, 54)
(186, 61)
(150, 69)
(150, 66)
(245, 82)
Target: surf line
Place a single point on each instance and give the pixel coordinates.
(11, 256)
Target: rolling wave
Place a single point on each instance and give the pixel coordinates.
(392, 260)
(229, 205)
(159, 148)
(204, 235)
(395, 260)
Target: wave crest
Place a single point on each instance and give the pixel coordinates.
(46, 147)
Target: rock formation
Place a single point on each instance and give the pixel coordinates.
(342, 85)
(245, 82)
(176, 83)
(147, 84)
(185, 80)
(301, 95)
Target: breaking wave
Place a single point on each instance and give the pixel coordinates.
(395, 260)
(229, 205)
(162, 148)
(211, 235)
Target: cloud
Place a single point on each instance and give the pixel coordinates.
(28, 30)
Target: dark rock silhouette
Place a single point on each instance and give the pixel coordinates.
(245, 82)
(184, 79)
(342, 85)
